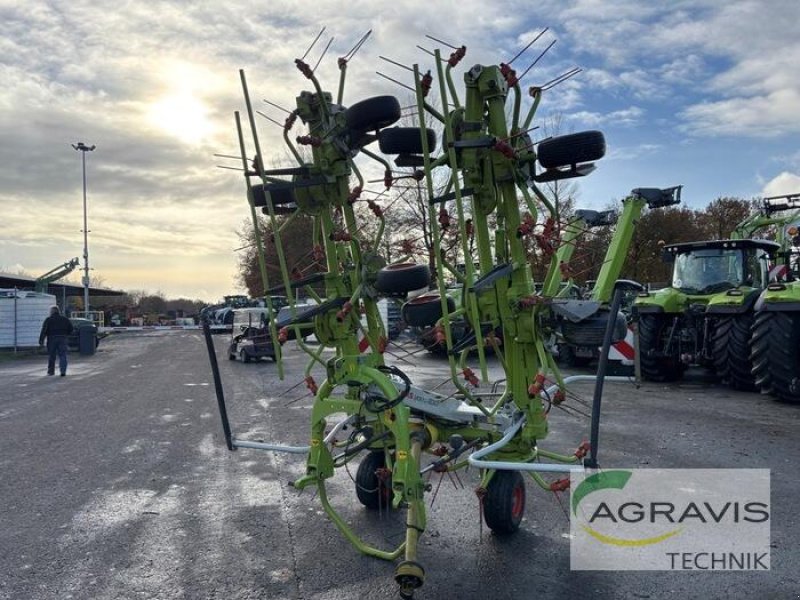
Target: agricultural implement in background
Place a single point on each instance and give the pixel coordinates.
(579, 340)
(705, 318)
(493, 168)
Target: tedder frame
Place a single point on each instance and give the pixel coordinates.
(493, 169)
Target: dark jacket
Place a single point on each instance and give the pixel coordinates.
(55, 325)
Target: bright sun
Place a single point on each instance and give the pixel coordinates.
(181, 115)
(181, 111)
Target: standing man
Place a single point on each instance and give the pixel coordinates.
(56, 329)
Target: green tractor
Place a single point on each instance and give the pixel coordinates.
(775, 341)
(705, 317)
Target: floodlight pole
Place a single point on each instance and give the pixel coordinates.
(83, 148)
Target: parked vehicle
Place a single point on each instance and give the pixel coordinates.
(73, 341)
(705, 318)
(250, 337)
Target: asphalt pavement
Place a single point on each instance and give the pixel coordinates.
(116, 483)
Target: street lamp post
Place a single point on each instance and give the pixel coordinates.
(83, 148)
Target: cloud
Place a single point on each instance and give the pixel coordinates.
(782, 184)
(625, 117)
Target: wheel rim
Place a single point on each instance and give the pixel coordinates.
(517, 502)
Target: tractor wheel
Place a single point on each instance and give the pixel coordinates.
(775, 353)
(653, 330)
(373, 113)
(404, 140)
(373, 492)
(504, 503)
(402, 278)
(731, 351)
(566, 150)
(425, 310)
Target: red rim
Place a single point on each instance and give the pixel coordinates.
(425, 299)
(518, 502)
(400, 266)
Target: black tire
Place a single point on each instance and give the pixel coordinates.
(566, 356)
(405, 140)
(402, 278)
(652, 329)
(425, 310)
(280, 195)
(572, 149)
(504, 503)
(775, 353)
(371, 491)
(373, 113)
(244, 356)
(731, 351)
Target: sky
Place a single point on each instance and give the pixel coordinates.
(702, 93)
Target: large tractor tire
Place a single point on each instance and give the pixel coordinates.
(775, 354)
(731, 351)
(653, 330)
(566, 150)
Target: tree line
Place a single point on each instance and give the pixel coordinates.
(409, 237)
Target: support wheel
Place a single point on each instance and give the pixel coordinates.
(731, 351)
(402, 278)
(373, 491)
(504, 504)
(571, 149)
(373, 113)
(425, 310)
(658, 365)
(409, 575)
(405, 140)
(776, 354)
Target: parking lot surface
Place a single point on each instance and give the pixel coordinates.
(116, 484)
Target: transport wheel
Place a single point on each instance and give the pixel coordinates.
(279, 195)
(425, 310)
(731, 351)
(504, 504)
(572, 149)
(653, 332)
(775, 353)
(373, 113)
(373, 492)
(404, 140)
(402, 278)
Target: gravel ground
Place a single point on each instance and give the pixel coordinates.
(116, 484)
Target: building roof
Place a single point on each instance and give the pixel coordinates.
(7, 280)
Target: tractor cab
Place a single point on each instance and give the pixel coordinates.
(707, 268)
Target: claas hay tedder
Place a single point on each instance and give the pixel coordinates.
(492, 199)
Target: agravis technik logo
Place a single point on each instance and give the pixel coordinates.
(672, 519)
